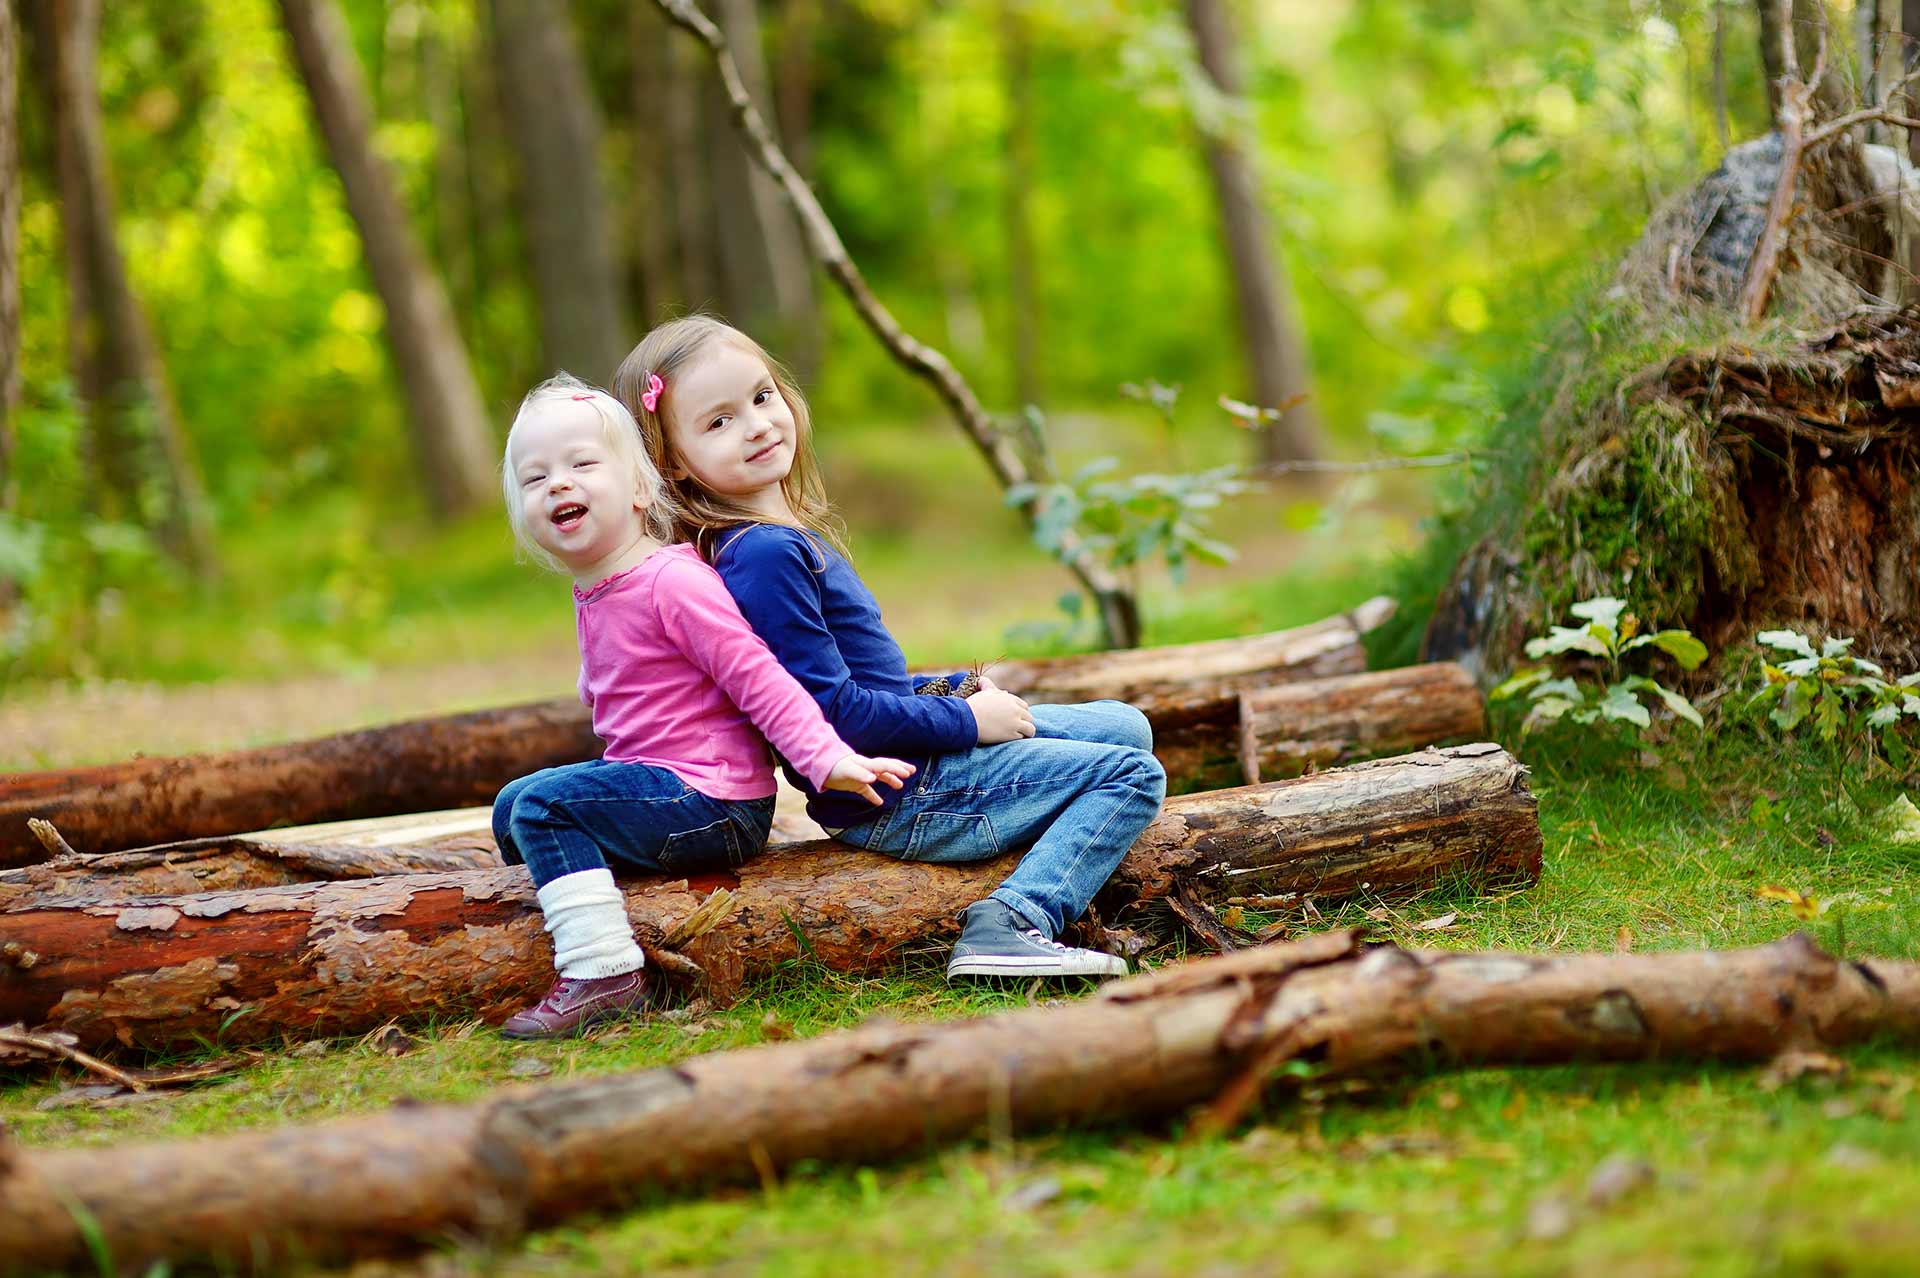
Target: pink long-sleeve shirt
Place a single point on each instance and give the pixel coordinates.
(676, 678)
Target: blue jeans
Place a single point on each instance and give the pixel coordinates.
(623, 817)
(1073, 798)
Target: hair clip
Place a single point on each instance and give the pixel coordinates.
(651, 400)
(577, 398)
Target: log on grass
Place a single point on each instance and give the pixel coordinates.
(1211, 1032)
(1287, 729)
(1188, 691)
(345, 957)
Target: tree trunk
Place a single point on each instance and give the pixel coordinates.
(1219, 1029)
(9, 263)
(766, 275)
(340, 958)
(1270, 330)
(1022, 173)
(1290, 729)
(135, 428)
(555, 127)
(230, 864)
(451, 433)
(648, 209)
(1189, 692)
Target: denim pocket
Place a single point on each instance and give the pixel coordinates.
(703, 851)
(951, 836)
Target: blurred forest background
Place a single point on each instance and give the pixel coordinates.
(263, 354)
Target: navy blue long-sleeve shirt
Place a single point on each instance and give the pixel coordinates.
(823, 625)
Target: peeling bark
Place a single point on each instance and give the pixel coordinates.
(1188, 691)
(1289, 729)
(345, 957)
(1214, 1029)
(212, 865)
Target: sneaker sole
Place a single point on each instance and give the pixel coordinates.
(1018, 967)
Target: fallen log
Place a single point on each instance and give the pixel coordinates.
(225, 864)
(345, 957)
(1213, 1030)
(1188, 691)
(1287, 729)
(1284, 730)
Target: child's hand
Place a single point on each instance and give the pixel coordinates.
(1000, 716)
(856, 774)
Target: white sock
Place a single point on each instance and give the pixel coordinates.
(588, 919)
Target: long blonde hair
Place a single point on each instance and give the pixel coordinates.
(624, 445)
(702, 515)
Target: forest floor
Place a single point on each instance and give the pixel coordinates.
(1502, 1172)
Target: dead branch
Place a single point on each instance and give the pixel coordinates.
(1211, 1030)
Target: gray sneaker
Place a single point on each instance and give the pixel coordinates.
(994, 941)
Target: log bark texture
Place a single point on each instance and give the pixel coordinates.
(1286, 730)
(225, 864)
(344, 957)
(1214, 1028)
(1188, 691)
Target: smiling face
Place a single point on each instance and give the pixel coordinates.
(576, 501)
(730, 430)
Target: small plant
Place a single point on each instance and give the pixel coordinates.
(1840, 694)
(1610, 634)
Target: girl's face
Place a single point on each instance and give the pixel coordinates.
(575, 500)
(729, 429)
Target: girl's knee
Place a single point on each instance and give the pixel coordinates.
(1147, 772)
(1134, 729)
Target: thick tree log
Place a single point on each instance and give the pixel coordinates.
(338, 958)
(225, 864)
(1285, 730)
(1188, 691)
(1211, 1029)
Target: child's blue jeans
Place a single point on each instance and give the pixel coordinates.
(623, 817)
(1073, 798)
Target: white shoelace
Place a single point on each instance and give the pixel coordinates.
(1035, 935)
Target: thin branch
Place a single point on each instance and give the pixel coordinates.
(49, 1045)
(1117, 609)
(1427, 461)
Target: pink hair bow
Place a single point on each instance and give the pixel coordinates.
(651, 400)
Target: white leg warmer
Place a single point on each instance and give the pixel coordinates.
(588, 919)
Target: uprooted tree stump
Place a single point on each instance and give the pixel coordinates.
(345, 957)
(1212, 1031)
(1719, 476)
(1188, 691)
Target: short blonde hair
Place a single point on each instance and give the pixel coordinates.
(702, 516)
(624, 445)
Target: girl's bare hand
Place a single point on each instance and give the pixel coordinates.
(856, 774)
(999, 716)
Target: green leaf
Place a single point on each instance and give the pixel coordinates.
(1547, 709)
(1831, 647)
(1679, 705)
(1792, 709)
(1559, 688)
(1517, 682)
(1678, 644)
(1565, 639)
(1603, 610)
(1620, 704)
(1787, 641)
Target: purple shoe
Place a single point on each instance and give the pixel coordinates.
(575, 1003)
